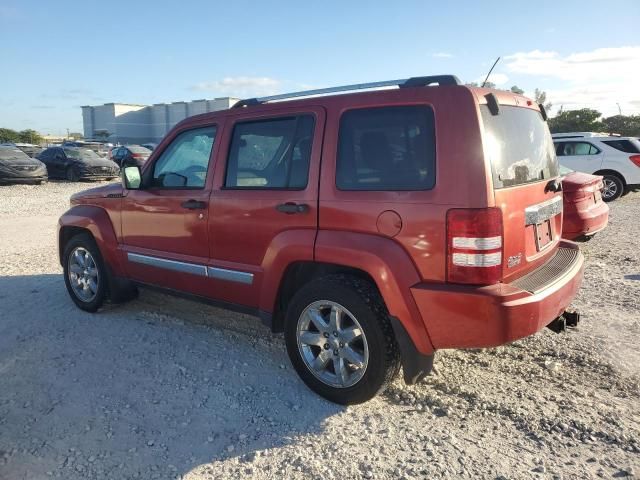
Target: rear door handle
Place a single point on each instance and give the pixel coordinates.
(194, 205)
(290, 208)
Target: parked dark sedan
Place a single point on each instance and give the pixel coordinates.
(130, 155)
(74, 163)
(17, 167)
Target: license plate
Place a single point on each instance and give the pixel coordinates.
(544, 234)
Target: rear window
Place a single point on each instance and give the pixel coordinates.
(388, 148)
(627, 146)
(519, 146)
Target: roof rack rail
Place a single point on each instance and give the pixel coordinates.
(402, 83)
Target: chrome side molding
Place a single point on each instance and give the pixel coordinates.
(536, 214)
(174, 265)
(192, 268)
(230, 275)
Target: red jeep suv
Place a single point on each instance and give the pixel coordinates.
(371, 227)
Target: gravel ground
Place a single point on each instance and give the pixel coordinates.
(166, 388)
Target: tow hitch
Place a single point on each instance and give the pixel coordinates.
(567, 319)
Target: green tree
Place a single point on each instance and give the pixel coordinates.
(8, 136)
(541, 99)
(517, 89)
(583, 120)
(625, 125)
(30, 136)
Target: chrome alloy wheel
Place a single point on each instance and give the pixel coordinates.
(610, 188)
(83, 274)
(332, 344)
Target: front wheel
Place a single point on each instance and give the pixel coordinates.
(85, 275)
(613, 188)
(340, 340)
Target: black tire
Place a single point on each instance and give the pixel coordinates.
(364, 302)
(616, 187)
(71, 174)
(86, 241)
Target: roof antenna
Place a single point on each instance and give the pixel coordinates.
(494, 66)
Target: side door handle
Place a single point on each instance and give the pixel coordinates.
(290, 208)
(194, 205)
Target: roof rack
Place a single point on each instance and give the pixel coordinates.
(584, 134)
(402, 83)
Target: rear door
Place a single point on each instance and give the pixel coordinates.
(265, 199)
(581, 156)
(524, 167)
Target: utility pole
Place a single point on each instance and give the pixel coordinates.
(67, 134)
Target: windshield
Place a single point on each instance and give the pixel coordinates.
(519, 146)
(7, 154)
(137, 149)
(81, 154)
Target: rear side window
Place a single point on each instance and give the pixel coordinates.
(627, 146)
(388, 148)
(271, 154)
(568, 149)
(519, 146)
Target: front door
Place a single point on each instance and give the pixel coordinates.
(164, 224)
(264, 206)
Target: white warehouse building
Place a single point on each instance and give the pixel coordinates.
(126, 123)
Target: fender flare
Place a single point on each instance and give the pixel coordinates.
(285, 249)
(98, 223)
(391, 269)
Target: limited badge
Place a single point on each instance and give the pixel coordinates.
(514, 260)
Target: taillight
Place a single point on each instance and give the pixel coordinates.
(137, 155)
(474, 246)
(635, 159)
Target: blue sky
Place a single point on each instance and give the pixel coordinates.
(59, 55)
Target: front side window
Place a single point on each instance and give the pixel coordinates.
(568, 149)
(272, 153)
(185, 162)
(388, 148)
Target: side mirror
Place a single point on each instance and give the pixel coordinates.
(131, 178)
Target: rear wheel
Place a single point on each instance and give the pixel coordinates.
(613, 187)
(72, 175)
(340, 340)
(85, 275)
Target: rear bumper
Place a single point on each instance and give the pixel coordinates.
(458, 316)
(587, 222)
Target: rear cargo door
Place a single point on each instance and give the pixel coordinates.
(525, 178)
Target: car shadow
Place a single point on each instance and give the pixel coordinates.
(138, 390)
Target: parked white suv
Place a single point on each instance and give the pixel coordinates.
(616, 158)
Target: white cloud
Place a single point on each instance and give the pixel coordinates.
(240, 86)
(498, 79)
(442, 55)
(597, 79)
